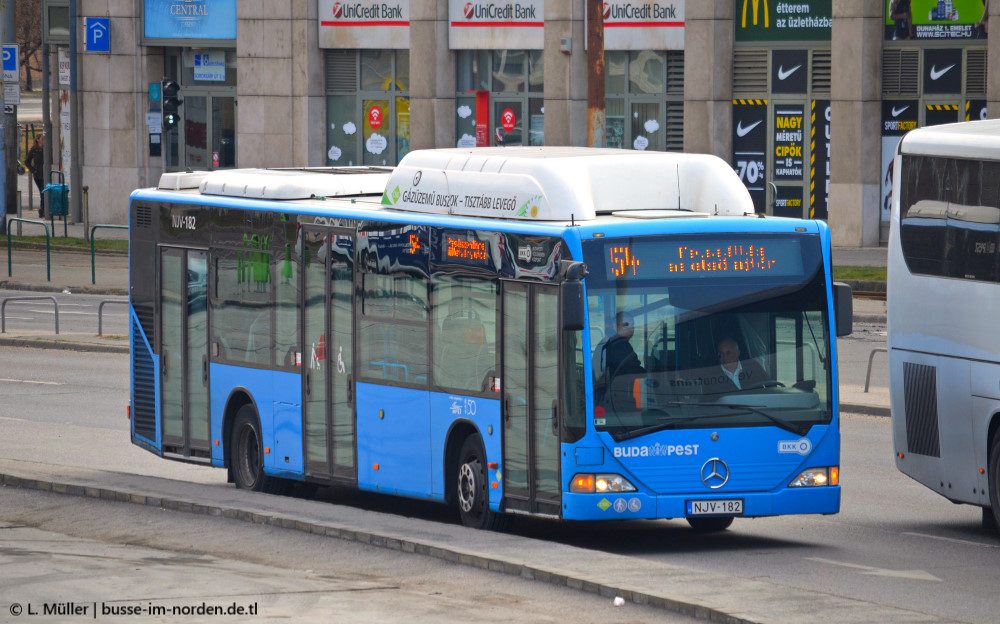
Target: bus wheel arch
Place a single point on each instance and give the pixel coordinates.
(993, 474)
(237, 399)
(470, 487)
(246, 452)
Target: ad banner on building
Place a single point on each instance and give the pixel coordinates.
(364, 24)
(750, 147)
(643, 25)
(189, 19)
(898, 118)
(769, 20)
(935, 19)
(496, 24)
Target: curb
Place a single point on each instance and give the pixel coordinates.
(82, 290)
(531, 572)
(65, 345)
(866, 409)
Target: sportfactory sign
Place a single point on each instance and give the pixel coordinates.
(496, 25)
(368, 24)
(636, 25)
(768, 20)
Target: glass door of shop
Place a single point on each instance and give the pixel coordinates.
(208, 131)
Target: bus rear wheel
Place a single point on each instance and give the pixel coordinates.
(994, 479)
(248, 454)
(710, 525)
(472, 488)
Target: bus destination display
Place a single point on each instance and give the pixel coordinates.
(682, 259)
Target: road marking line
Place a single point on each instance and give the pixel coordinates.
(955, 541)
(916, 575)
(28, 381)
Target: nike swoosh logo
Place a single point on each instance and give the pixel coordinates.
(782, 74)
(742, 132)
(936, 73)
(896, 112)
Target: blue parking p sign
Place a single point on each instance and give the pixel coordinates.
(11, 58)
(98, 34)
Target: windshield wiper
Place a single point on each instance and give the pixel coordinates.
(736, 409)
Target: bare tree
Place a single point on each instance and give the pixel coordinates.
(28, 33)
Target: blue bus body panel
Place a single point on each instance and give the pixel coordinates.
(142, 351)
(484, 415)
(666, 468)
(277, 396)
(394, 440)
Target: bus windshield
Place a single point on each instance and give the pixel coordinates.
(708, 331)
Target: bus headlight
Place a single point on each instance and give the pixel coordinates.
(600, 483)
(817, 477)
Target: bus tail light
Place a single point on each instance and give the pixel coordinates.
(584, 483)
(814, 477)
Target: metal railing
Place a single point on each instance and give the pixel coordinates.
(100, 313)
(3, 309)
(93, 265)
(48, 248)
(871, 356)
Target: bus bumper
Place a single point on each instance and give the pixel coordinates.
(634, 506)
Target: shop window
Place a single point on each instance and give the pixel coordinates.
(644, 101)
(514, 81)
(367, 106)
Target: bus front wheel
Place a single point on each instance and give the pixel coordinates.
(248, 454)
(472, 488)
(994, 479)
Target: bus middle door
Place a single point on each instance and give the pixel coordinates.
(328, 428)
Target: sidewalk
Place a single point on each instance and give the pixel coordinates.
(71, 272)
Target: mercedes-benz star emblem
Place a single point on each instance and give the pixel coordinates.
(416, 177)
(715, 473)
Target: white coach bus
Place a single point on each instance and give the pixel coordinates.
(943, 306)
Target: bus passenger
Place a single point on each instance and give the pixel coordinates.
(615, 356)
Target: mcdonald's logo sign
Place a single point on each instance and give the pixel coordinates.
(755, 8)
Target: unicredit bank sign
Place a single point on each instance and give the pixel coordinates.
(496, 24)
(371, 24)
(644, 25)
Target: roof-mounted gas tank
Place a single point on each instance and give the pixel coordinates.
(563, 183)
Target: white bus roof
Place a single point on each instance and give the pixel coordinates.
(563, 183)
(969, 139)
(280, 184)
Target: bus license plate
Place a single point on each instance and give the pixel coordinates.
(718, 507)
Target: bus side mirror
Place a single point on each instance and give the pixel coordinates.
(843, 308)
(572, 303)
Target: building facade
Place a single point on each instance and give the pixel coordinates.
(806, 99)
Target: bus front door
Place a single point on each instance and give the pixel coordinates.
(327, 369)
(531, 449)
(184, 397)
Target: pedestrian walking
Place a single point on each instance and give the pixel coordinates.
(35, 162)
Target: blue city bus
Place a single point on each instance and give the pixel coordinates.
(562, 332)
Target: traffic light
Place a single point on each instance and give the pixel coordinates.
(171, 102)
